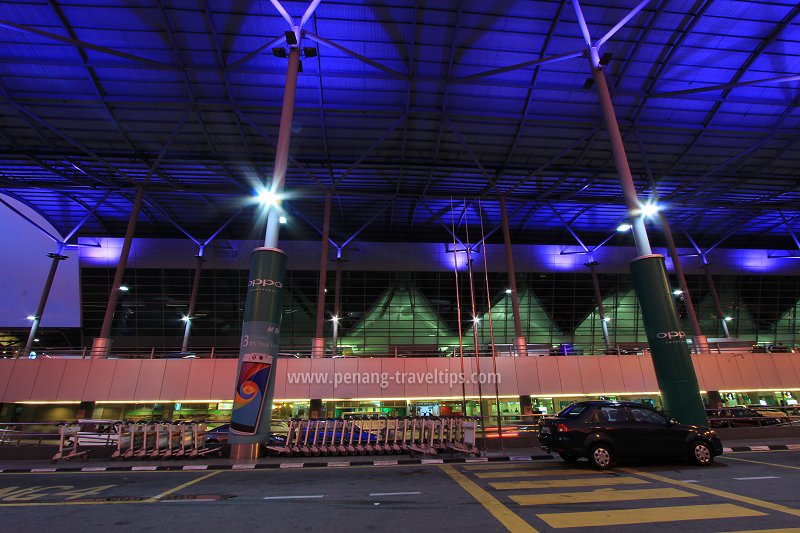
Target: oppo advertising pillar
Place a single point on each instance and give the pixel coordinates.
(258, 353)
(671, 360)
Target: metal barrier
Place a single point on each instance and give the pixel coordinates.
(386, 435)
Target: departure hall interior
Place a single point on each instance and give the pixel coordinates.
(471, 210)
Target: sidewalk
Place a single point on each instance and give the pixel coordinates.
(278, 462)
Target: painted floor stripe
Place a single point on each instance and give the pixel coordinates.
(385, 463)
(760, 448)
(195, 467)
(309, 497)
(600, 495)
(708, 490)
(561, 483)
(476, 460)
(143, 468)
(755, 477)
(394, 493)
(339, 464)
(43, 469)
(521, 458)
(93, 469)
(291, 465)
(244, 466)
(510, 520)
(537, 473)
(432, 461)
(648, 515)
(793, 446)
(505, 466)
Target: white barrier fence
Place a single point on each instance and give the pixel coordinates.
(361, 436)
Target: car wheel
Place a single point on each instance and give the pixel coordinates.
(701, 454)
(568, 457)
(601, 456)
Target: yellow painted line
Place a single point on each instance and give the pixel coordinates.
(62, 503)
(183, 486)
(647, 515)
(561, 483)
(762, 463)
(503, 514)
(724, 494)
(600, 495)
(503, 466)
(537, 473)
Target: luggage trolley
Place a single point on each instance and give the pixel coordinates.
(68, 442)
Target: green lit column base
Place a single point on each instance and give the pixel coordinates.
(258, 353)
(675, 373)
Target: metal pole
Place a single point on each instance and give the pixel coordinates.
(282, 150)
(620, 157)
(337, 299)
(272, 261)
(318, 344)
(520, 343)
(717, 304)
(672, 362)
(192, 300)
(598, 299)
(48, 284)
(700, 341)
(102, 344)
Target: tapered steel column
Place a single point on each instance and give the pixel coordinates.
(192, 299)
(263, 312)
(282, 150)
(520, 342)
(337, 301)
(672, 361)
(717, 304)
(48, 284)
(700, 341)
(318, 345)
(101, 346)
(598, 302)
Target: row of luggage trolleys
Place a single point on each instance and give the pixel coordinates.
(361, 436)
(134, 440)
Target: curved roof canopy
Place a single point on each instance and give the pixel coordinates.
(415, 114)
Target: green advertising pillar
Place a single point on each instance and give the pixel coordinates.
(258, 352)
(672, 361)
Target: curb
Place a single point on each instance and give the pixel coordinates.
(772, 447)
(274, 466)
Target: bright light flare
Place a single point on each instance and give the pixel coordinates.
(622, 228)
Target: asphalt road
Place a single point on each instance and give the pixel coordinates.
(754, 491)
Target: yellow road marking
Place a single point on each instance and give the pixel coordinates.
(762, 463)
(536, 473)
(560, 483)
(183, 486)
(647, 515)
(600, 495)
(722, 493)
(500, 466)
(503, 514)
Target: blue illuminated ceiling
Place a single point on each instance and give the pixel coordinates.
(407, 113)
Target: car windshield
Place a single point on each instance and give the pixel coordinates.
(573, 411)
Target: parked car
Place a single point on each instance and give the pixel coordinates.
(737, 417)
(219, 435)
(604, 432)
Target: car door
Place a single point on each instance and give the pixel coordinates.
(653, 434)
(611, 422)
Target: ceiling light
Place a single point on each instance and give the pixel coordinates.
(677, 292)
(649, 209)
(624, 227)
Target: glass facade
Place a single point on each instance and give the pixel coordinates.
(384, 312)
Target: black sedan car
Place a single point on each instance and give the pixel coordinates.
(604, 431)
